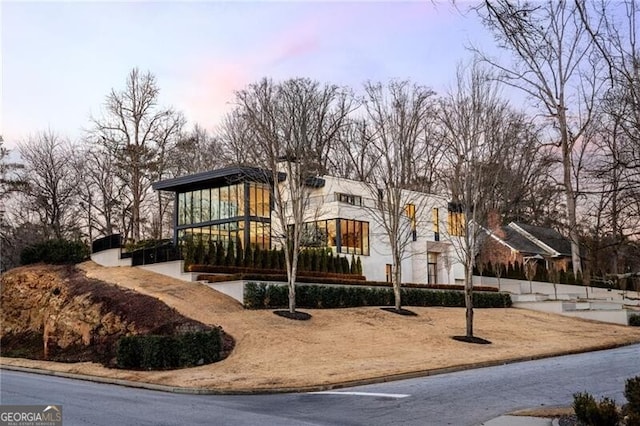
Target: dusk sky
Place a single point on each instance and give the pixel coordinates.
(60, 60)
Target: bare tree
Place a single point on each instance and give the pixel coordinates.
(138, 133)
(9, 182)
(615, 193)
(197, 151)
(556, 68)
(293, 124)
(398, 135)
(50, 184)
(100, 192)
(237, 139)
(476, 132)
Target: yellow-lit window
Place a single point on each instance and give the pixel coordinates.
(456, 225)
(435, 216)
(410, 211)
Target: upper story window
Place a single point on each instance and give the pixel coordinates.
(354, 200)
(456, 220)
(226, 202)
(410, 211)
(435, 216)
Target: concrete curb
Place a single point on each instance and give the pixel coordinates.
(301, 389)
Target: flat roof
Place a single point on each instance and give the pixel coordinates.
(215, 178)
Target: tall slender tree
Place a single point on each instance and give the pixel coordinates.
(398, 135)
(51, 189)
(294, 124)
(138, 133)
(555, 67)
(477, 130)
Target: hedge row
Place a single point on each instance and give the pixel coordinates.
(268, 296)
(153, 352)
(634, 320)
(55, 252)
(516, 271)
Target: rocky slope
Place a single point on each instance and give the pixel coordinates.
(57, 313)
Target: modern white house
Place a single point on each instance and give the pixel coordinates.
(236, 203)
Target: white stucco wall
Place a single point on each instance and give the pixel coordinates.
(110, 258)
(323, 206)
(173, 269)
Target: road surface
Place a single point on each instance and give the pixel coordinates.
(464, 398)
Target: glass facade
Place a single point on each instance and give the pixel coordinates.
(240, 212)
(347, 236)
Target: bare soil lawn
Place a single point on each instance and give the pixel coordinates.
(342, 345)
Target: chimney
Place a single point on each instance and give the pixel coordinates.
(494, 220)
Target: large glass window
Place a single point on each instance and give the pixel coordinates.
(205, 210)
(224, 202)
(215, 203)
(352, 238)
(195, 205)
(182, 204)
(239, 200)
(260, 234)
(220, 208)
(259, 200)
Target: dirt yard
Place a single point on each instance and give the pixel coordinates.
(342, 345)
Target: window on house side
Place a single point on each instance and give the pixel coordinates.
(354, 200)
(456, 225)
(432, 268)
(435, 216)
(410, 211)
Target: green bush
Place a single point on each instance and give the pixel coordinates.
(593, 413)
(634, 320)
(153, 352)
(632, 393)
(267, 296)
(55, 252)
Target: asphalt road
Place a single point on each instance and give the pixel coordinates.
(463, 398)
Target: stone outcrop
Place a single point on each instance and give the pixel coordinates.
(57, 313)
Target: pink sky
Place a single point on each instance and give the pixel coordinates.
(59, 60)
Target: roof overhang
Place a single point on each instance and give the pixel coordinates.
(216, 178)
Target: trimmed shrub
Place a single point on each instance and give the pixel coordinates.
(55, 252)
(632, 393)
(593, 413)
(634, 320)
(268, 296)
(153, 352)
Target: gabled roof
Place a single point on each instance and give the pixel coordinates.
(520, 243)
(215, 178)
(550, 238)
(532, 240)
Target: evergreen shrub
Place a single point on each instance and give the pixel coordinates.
(153, 352)
(55, 252)
(271, 296)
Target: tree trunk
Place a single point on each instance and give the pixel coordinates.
(397, 280)
(568, 187)
(468, 298)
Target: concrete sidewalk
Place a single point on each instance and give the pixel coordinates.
(519, 421)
